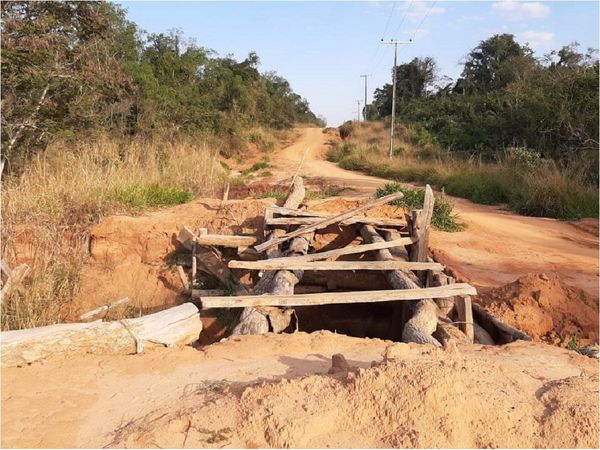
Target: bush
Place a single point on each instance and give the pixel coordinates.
(346, 129)
(443, 217)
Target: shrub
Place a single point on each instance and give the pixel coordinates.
(346, 129)
(443, 217)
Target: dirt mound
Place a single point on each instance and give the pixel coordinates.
(416, 398)
(546, 308)
(134, 256)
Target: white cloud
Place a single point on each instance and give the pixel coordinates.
(536, 39)
(520, 10)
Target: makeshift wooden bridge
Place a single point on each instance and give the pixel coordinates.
(427, 300)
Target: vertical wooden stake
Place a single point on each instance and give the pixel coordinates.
(464, 308)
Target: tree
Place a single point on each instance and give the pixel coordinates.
(414, 80)
(494, 63)
(60, 71)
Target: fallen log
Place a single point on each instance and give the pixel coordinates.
(290, 264)
(180, 325)
(338, 297)
(507, 333)
(327, 221)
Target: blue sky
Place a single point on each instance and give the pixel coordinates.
(323, 47)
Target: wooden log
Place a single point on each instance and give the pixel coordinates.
(423, 238)
(103, 308)
(327, 298)
(296, 194)
(223, 240)
(327, 221)
(286, 264)
(186, 237)
(508, 332)
(260, 320)
(211, 262)
(180, 325)
(464, 312)
(185, 282)
(413, 330)
(379, 221)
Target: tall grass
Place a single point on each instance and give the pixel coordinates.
(48, 208)
(521, 179)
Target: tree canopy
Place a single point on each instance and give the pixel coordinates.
(71, 67)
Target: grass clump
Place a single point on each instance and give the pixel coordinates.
(443, 219)
(141, 197)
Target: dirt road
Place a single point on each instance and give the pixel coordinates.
(496, 248)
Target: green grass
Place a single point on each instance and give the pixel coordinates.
(443, 219)
(540, 190)
(139, 197)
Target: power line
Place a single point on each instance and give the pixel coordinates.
(388, 20)
(423, 20)
(383, 35)
(403, 18)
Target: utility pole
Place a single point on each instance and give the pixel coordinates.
(395, 43)
(358, 111)
(365, 113)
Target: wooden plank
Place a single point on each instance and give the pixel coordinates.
(327, 298)
(379, 221)
(328, 221)
(350, 250)
(305, 216)
(464, 312)
(294, 264)
(225, 240)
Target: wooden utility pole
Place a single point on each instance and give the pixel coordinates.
(365, 117)
(395, 43)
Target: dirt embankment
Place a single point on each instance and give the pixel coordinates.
(546, 309)
(274, 391)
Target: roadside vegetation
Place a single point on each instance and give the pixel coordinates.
(100, 117)
(513, 129)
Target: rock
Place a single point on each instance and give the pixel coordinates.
(339, 364)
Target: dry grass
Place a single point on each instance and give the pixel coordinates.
(527, 183)
(47, 210)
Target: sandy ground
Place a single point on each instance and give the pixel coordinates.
(497, 247)
(235, 394)
(274, 390)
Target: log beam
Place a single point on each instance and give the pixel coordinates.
(180, 325)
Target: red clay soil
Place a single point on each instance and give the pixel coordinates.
(546, 308)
